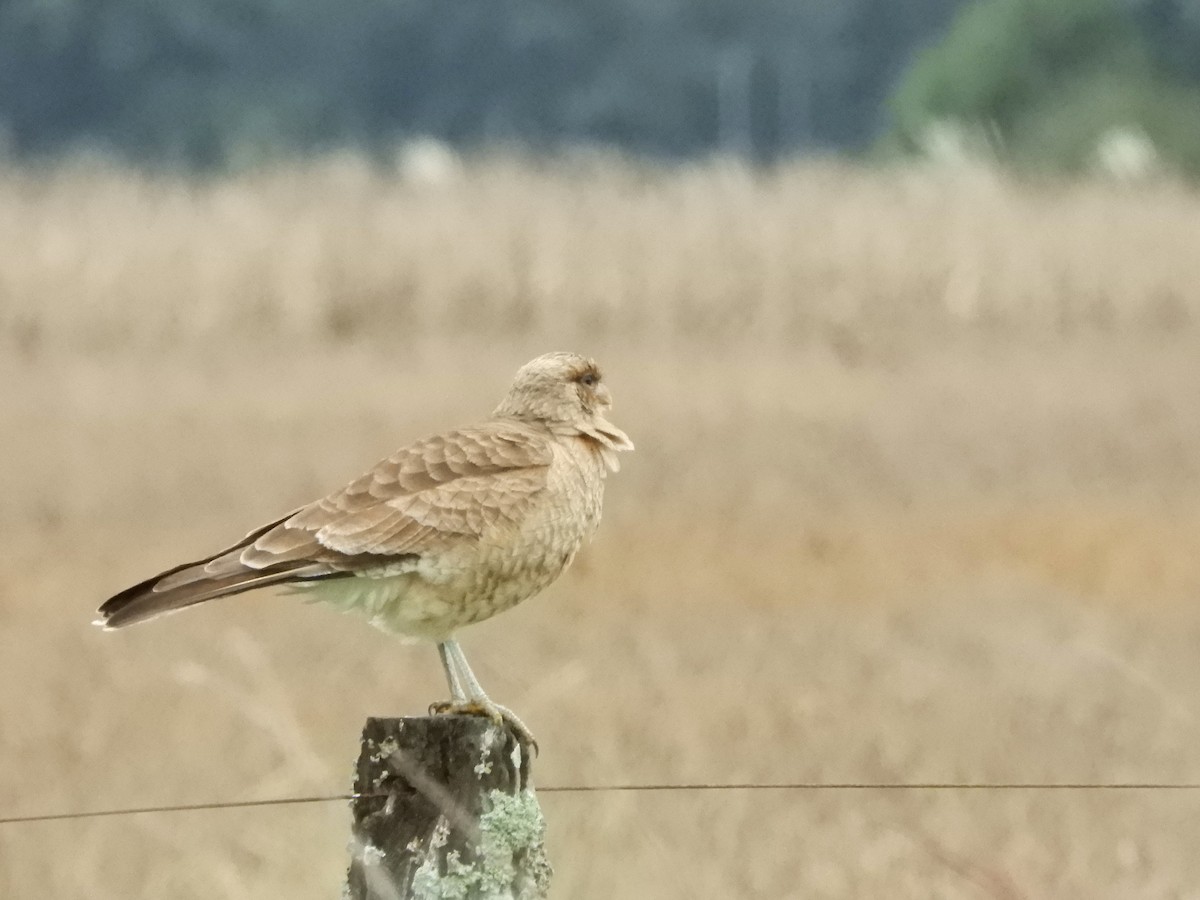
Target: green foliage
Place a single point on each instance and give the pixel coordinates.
(1066, 130)
(1050, 78)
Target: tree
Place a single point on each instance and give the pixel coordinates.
(1050, 78)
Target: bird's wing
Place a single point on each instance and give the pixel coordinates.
(431, 494)
(422, 499)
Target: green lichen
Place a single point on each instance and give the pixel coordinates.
(510, 863)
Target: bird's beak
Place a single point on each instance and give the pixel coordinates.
(609, 434)
(604, 396)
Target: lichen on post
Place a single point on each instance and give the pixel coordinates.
(445, 809)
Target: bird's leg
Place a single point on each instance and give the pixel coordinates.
(457, 695)
(469, 697)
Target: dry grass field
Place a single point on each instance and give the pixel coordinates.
(916, 498)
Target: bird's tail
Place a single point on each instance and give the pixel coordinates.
(219, 575)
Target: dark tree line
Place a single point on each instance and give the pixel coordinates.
(204, 81)
(211, 82)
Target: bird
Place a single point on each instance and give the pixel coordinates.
(445, 532)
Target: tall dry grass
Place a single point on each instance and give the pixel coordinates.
(343, 250)
(915, 498)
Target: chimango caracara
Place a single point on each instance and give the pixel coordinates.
(445, 532)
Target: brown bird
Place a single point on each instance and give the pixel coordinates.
(443, 533)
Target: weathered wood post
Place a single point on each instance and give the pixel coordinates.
(446, 810)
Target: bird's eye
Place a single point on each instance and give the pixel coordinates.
(589, 379)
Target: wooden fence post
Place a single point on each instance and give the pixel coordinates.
(447, 811)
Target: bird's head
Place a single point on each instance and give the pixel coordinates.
(565, 392)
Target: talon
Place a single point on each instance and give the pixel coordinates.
(500, 716)
(463, 708)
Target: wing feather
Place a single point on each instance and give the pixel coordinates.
(447, 488)
(425, 497)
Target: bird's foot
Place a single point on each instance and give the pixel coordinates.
(500, 715)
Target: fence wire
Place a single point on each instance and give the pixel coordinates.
(633, 788)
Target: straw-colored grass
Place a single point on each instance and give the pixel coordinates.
(916, 497)
(344, 250)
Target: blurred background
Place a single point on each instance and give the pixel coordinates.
(897, 299)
